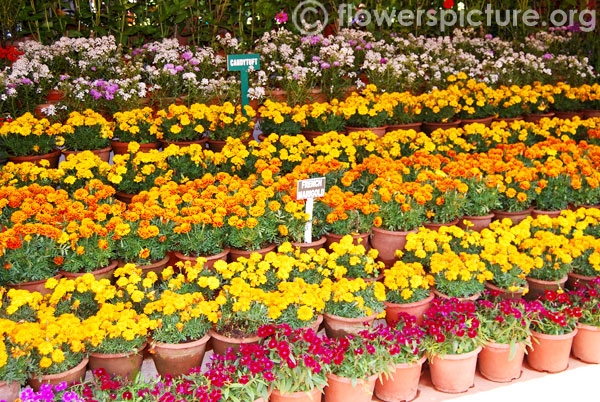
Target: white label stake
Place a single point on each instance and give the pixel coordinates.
(308, 190)
(308, 228)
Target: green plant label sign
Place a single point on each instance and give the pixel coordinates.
(242, 63)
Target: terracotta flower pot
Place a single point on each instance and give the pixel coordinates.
(486, 121)
(103, 154)
(54, 95)
(504, 293)
(508, 120)
(586, 344)
(182, 144)
(51, 157)
(124, 365)
(277, 95)
(437, 226)
(9, 391)
(217, 145)
(515, 217)
(550, 352)
(378, 131)
(454, 373)
(534, 118)
(552, 214)
(316, 324)
(38, 111)
(34, 286)
(315, 245)
(337, 327)
(341, 389)
(316, 95)
(462, 299)
(408, 126)
(402, 384)
(235, 253)
(156, 267)
(566, 115)
(362, 238)
(478, 222)
(416, 309)
(538, 286)
(387, 242)
(124, 197)
(310, 396)
(76, 374)
(573, 278)
(221, 343)
(428, 128)
(312, 135)
(102, 273)
(210, 259)
(178, 359)
(120, 148)
(495, 362)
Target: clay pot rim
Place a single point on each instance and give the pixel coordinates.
(351, 320)
(456, 122)
(588, 327)
(504, 346)
(384, 127)
(244, 141)
(493, 286)
(395, 127)
(546, 211)
(202, 140)
(214, 334)
(49, 154)
(69, 152)
(270, 248)
(412, 304)
(575, 275)
(477, 120)
(223, 253)
(50, 377)
(446, 297)
(297, 393)
(498, 211)
(452, 223)
(73, 275)
(418, 362)
(536, 334)
(319, 242)
(183, 345)
(347, 380)
(461, 356)
(393, 232)
(154, 264)
(157, 143)
(32, 283)
(354, 235)
(99, 355)
(560, 281)
(478, 217)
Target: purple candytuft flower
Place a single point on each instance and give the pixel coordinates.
(368, 46)
(26, 81)
(96, 94)
(383, 61)
(325, 66)
(488, 36)
(187, 55)
(547, 56)
(336, 63)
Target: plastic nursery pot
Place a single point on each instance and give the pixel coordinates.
(51, 157)
(337, 327)
(76, 374)
(495, 362)
(416, 309)
(538, 286)
(310, 396)
(9, 391)
(178, 359)
(454, 373)
(315, 245)
(387, 242)
(478, 223)
(550, 353)
(586, 344)
(235, 253)
(103, 154)
(515, 217)
(102, 273)
(210, 259)
(341, 389)
(402, 384)
(124, 365)
(221, 343)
